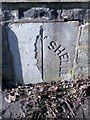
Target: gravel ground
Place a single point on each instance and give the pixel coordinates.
(62, 99)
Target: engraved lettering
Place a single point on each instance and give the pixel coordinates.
(63, 55)
(59, 50)
(52, 45)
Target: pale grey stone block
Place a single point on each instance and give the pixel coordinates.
(83, 52)
(59, 49)
(22, 38)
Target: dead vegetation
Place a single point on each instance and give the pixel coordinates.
(50, 100)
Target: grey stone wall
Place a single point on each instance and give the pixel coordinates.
(42, 13)
(23, 23)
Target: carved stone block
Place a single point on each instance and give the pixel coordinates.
(42, 51)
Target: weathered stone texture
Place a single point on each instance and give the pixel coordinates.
(47, 51)
(42, 51)
(69, 14)
(59, 49)
(42, 13)
(36, 46)
(10, 15)
(11, 110)
(76, 14)
(83, 53)
(22, 38)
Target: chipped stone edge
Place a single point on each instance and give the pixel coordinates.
(75, 65)
(76, 51)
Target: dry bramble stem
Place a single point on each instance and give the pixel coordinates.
(50, 100)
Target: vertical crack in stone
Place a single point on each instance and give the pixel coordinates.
(36, 46)
(78, 42)
(76, 51)
(41, 39)
(39, 50)
(36, 51)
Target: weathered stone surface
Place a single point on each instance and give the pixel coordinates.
(41, 13)
(1, 14)
(46, 13)
(10, 15)
(32, 13)
(76, 14)
(11, 110)
(42, 51)
(69, 14)
(59, 47)
(22, 39)
(83, 110)
(83, 52)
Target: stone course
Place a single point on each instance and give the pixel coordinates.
(42, 13)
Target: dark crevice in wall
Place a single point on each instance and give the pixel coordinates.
(57, 5)
(39, 50)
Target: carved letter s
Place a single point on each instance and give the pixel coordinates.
(52, 45)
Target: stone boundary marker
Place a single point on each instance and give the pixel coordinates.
(48, 51)
(43, 51)
(46, 42)
(44, 0)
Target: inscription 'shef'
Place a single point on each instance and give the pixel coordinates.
(63, 56)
